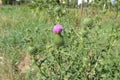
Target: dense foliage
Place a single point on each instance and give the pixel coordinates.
(55, 8)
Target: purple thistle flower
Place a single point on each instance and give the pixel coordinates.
(57, 28)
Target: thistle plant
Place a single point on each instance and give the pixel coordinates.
(58, 38)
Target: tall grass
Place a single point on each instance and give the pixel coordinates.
(88, 53)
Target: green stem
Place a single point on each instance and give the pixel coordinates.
(60, 59)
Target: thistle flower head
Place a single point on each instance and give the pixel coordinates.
(57, 28)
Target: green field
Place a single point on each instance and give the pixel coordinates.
(89, 53)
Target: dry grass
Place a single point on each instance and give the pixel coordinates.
(6, 69)
(0, 2)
